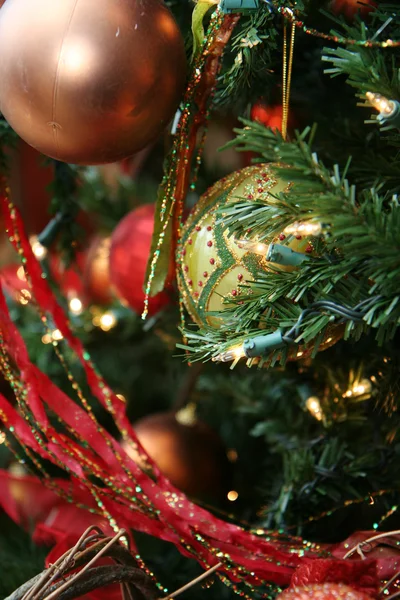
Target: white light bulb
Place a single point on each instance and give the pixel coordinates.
(37, 248)
(232, 495)
(385, 106)
(75, 306)
(57, 335)
(314, 407)
(107, 321)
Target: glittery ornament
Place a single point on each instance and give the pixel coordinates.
(214, 266)
(323, 591)
(187, 451)
(129, 252)
(94, 80)
(96, 276)
(350, 8)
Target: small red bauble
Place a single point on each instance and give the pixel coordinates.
(270, 116)
(323, 591)
(187, 451)
(129, 252)
(349, 8)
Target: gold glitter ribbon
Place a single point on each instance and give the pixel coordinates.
(287, 75)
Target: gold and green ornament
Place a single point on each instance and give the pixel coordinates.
(214, 267)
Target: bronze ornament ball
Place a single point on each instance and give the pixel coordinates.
(89, 81)
(189, 453)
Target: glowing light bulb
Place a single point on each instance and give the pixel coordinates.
(234, 353)
(24, 297)
(232, 496)
(2, 437)
(306, 229)
(75, 306)
(47, 339)
(253, 246)
(107, 321)
(21, 274)
(37, 248)
(57, 336)
(386, 107)
(362, 387)
(232, 455)
(313, 405)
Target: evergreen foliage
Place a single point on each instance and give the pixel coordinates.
(322, 479)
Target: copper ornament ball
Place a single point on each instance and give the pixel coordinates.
(191, 455)
(89, 81)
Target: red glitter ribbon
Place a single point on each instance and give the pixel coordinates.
(130, 497)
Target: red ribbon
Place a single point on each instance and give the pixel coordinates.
(131, 497)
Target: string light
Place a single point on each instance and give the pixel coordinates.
(313, 405)
(253, 246)
(234, 353)
(24, 297)
(359, 388)
(381, 103)
(75, 306)
(107, 321)
(232, 455)
(263, 345)
(308, 228)
(21, 274)
(228, 6)
(289, 14)
(274, 253)
(38, 249)
(389, 110)
(253, 347)
(47, 339)
(232, 496)
(2, 437)
(57, 336)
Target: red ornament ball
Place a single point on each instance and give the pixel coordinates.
(187, 451)
(129, 252)
(349, 8)
(96, 275)
(323, 591)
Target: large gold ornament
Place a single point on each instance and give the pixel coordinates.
(214, 266)
(89, 81)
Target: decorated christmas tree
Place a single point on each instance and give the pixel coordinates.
(199, 299)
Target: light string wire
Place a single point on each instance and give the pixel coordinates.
(370, 43)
